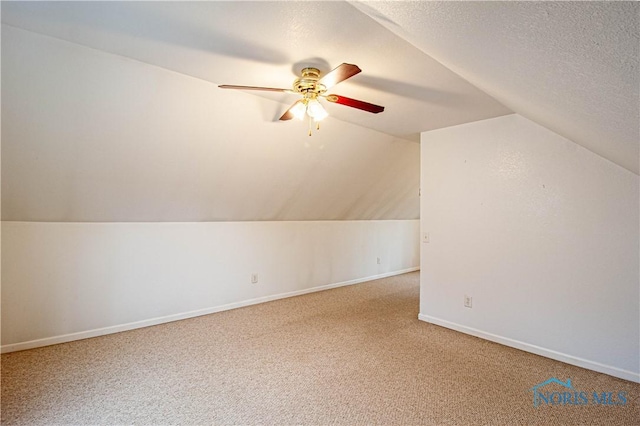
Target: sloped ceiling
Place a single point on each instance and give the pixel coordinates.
(88, 136)
(111, 110)
(267, 44)
(572, 67)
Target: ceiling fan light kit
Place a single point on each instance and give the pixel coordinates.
(312, 87)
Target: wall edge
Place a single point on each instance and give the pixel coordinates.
(87, 334)
(527, 347)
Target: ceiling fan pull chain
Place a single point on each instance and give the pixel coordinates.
(309, 120)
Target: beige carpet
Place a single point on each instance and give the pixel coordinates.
(353, 355)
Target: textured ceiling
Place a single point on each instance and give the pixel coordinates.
(267, 44)
(572, 67)
(111, 110)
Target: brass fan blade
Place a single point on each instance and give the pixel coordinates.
(288, 115)
(267, 89)
(354, 103)
(338, 74)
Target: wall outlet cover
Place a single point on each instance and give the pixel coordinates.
(468, 301)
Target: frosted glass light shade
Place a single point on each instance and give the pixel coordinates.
(298, 110)
(316, 110)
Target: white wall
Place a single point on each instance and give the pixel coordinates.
(64, 281)
(134, 195)
(543, 234)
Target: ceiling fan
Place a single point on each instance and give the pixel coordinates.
(311, 86)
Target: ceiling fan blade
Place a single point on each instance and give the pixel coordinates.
(354, 103)
(288, 114)
(338, 74)
(267, 89)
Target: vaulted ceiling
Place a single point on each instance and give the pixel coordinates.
(267, 44)
(111, 110)
(572, 67)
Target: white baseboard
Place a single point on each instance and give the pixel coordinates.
(191, 314)
(548, 353)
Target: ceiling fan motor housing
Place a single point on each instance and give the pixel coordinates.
(308, 84)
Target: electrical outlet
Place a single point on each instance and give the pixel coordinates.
(254, 278)
(378, 260)
(468, 301)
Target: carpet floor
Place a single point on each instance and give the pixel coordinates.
(354, 355)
